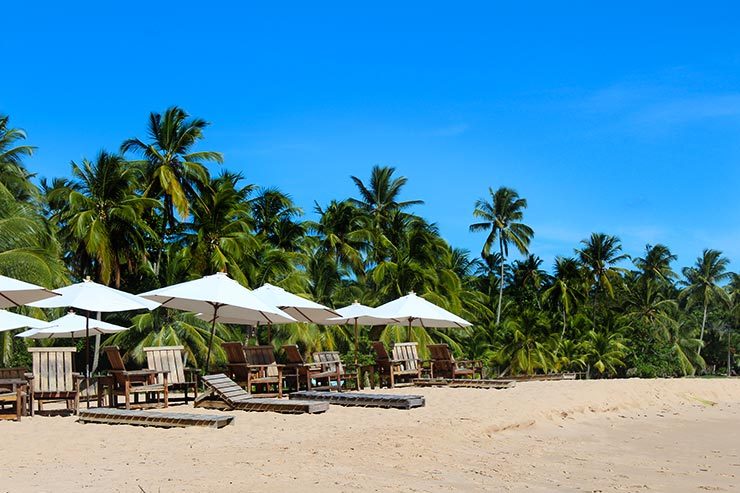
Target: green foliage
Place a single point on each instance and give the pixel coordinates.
(163, 219)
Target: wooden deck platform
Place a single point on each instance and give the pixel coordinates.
(152, 418)
(390, 401)
(465, 382)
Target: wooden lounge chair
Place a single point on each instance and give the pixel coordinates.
(264, 371)
(330, 361)
(402, 364)
(237, 365)
(223, 393)
(126, 382)
(53, 376)
(172, 359)
(297, 371)
(444, 364)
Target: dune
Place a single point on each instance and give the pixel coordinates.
(612, 435)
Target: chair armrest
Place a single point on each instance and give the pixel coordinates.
(197, 371)
(28, 376)
(141, 373)
(266, 366)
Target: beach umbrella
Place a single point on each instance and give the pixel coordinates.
(419, 312)
(16, 293)
(301, 309)
(12, 321)
(220, 296)
(358, 314)
(93, 297)
(72, 326)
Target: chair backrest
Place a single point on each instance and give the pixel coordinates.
(442, 357)
(13, 372)
(329, 361)
(114, 358)
(408, 353)
(381, 353)
(52, 369)
(293, 354)
(262, 355)
(234, 352)
(167, 358)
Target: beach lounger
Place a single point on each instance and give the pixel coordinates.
(53, 376)
(171, 359)
(128, 383)
(156, 419)
(444, 364)
(297, 372)
(330, 361)
(223, 393)
(357, 399)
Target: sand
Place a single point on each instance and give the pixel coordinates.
(580, 436)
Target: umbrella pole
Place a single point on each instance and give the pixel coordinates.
(87, 358)
(210, 341)
(269, 333)
(408, 332)
(357, 343)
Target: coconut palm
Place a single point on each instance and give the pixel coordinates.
(645, 304)
(277, 219)
(599, 255)
(13, 175)
(605, 352)
(103, 216)
(702, 283)
(527, 344)
(380, 197)
(172, 169)
(500, 217)
(656, 264)
(217, 236)
(564, 291)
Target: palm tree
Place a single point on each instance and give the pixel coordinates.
(380, 197)
(103, 216)
(13, 174)
(276, 219)
(599, 255)
(343, 234)
(501, 218)
(656, 264)
(645, 304)
(605, 352)
(702, 283)
(526, 347)
(172, 168)
(564, 291)
(218, 235)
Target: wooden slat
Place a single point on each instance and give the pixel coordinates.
(67, 372)
(36, 366)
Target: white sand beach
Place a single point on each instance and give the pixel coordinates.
(580, 436)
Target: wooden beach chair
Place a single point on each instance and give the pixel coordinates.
(444, 364)
(53, 376)
(134, 382)
(403, 364)
(236, 362)
(223, 393)
(14, 394)
(172, 359)
(330, 361)
(298, 372)
(264, 371)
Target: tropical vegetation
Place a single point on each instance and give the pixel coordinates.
(159, 210)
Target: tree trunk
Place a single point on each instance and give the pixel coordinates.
(562, 334)
(703, 325)
(500, 285)
(596, 295)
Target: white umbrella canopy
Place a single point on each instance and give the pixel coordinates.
(12, 321)
(72, 326)
(94, 297)
(220, 296)
(418, 312)
(16, 293)
(358, 314)
(301, 309)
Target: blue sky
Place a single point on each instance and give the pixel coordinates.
(622, 119)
